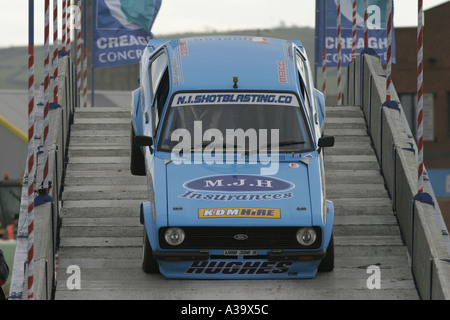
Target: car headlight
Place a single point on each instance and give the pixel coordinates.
(174, 236)
(306, 236)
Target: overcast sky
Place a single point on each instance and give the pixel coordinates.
(178, 16)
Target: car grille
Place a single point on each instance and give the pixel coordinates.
(224, 238)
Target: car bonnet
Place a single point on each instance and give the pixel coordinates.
(237, 194)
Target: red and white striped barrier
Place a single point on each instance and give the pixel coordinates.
(389, 51)
(339, 76)
(64, 25)
(85, 77)
(22, 278)
(79, 52)
(68, 27)
(420, 96)
(31, 168)
(366, 26)
(46, 92)
(354, 37)
(55, 51)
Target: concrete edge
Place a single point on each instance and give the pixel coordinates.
(417, 221)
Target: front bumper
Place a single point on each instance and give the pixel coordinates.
(274, 255)
(270, 264)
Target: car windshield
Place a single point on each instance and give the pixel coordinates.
(224, 119)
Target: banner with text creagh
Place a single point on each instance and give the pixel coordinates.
(121, 30)
(326, 30)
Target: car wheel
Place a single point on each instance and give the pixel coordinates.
(327, 263)
(149, 263)
(137, 161)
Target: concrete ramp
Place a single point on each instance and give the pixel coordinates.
(100, 231)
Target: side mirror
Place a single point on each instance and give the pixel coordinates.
(326, 142)
(143, 141)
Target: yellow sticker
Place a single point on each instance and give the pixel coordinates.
(240, 213)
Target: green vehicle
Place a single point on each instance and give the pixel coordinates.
(10, 196)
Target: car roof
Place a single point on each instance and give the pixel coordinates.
(211, 62)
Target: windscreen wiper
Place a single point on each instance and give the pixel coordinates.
(280, 144)
(207, 144)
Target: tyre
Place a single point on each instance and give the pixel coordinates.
(137, 160)
(327, 264)
(149, 263)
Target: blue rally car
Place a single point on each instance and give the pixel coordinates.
(228, 131)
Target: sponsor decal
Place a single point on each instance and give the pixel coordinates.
(239, 183)
(238, 188)
(239, 267)
(176, 75)
(236, 197)
(183, 47)
(240, 213)
(294, 165)
(184, 99)
(261, 40)
(282, 72)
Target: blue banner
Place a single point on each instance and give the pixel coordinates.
(440, 180)
(326, 30)
(121, 30)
